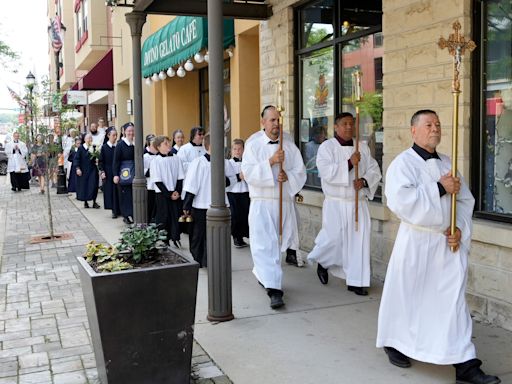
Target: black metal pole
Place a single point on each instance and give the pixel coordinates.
(218, 216)
(136, 21)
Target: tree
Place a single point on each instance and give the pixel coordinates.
(7, 55)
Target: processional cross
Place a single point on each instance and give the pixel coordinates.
(457, 46)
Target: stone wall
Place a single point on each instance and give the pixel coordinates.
(417, 75)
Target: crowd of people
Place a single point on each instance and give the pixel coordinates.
(423, 312)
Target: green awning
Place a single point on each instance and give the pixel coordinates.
(179, 41)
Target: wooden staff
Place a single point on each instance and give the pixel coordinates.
(280, 109)
(357, 96)
(456, 45)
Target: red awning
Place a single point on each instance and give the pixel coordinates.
(100, 77)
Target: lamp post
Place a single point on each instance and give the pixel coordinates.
(31, 80)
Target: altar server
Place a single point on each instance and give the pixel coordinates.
(260, 167)
(167, 179)
(193, 149)
(16, 151)
(339, 248)
(423, 312)
(197, 186)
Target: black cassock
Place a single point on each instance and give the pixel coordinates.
(87, 184)
(72, 172)
(110, 192)
(122, 153)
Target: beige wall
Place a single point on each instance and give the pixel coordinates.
(245, 82)
(96, 45)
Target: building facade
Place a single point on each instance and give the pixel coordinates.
(316, 46)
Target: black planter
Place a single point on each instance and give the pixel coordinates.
(142, 322)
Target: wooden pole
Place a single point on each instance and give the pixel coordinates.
(456, 45)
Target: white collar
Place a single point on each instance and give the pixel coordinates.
(110, 144)
(127, 142)
(85, 146)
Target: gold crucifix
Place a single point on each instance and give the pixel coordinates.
(457, 46)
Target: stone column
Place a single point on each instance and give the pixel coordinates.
(136, 21)
(218, 216)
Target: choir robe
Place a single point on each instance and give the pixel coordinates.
(198, 184)
(239, 202)
(110, 192)
(167, 170)
(17, 166)
(338, 246)
(87, 184)
(188, 152)
(264, 210)
(124, 151)
(423, 311)
(72, 173)
(151, 204)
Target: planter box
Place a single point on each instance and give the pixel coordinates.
(142, 322)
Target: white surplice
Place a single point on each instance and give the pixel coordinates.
(16, 158)
(198, 181)
(338, 246)
(165, 169)
(264, 210)
(148, 160)
(423, 311)
(188, 153)
(239, 186)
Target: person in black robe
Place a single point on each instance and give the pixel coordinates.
(85, 161)
(149, 155)
(72, 172)
(124, 157)
(110, 192)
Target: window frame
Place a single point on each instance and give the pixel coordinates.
(336, 43)
(478, 115)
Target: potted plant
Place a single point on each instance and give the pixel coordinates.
(140, 298)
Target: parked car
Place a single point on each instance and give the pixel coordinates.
(3, 161)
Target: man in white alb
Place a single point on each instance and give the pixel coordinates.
(339, 247)
(260, 166)
(423, 312)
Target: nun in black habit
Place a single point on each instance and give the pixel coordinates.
(72, 173)
(124, 171)
(110, 190)
(85, 161)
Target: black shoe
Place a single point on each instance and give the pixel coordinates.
(276, 298)
(176, 243)
(322, 273)
(126, 220)
(470, 373)
(291, 257)
(96, 205)
(114, 216)
(86, 205)
(397, 358)
(130, 219)
(240, 243)
(361, 291)
(13, 189)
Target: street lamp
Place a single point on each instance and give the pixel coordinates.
(31, 80)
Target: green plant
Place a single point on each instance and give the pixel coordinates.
(141, 241)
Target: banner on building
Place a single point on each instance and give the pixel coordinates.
(77, 97)
(56, 33)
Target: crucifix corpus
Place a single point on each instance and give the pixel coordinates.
(457, 46)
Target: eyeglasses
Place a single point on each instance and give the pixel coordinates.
(199, 134)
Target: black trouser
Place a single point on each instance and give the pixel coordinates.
(239, 206)
(198, 236)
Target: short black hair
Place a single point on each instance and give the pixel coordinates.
(417, 114)
(194, 131)
(342, 115)
(265, 109)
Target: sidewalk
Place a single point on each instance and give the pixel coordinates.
(44, 333)
(323, 335)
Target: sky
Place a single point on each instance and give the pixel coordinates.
(23, 26)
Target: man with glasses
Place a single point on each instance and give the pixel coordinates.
(193, 149)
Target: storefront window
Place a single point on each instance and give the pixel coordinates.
(496, 103)
(326, 62)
